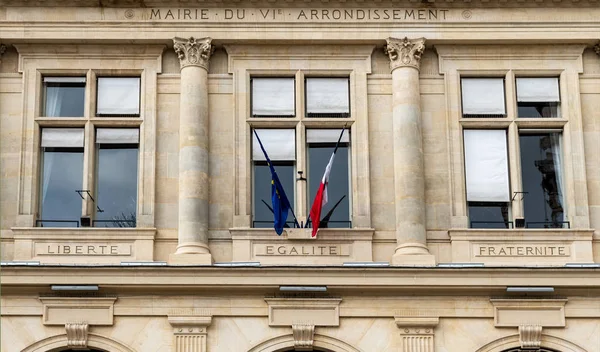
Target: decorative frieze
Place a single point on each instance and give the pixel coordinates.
(405, 52)
(530, 336)
(304, 334)
(193, 52)
(77, 335)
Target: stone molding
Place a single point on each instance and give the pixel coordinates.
(596, 49)
(2, 51)
(304, 334)
(518, 312)
(313, 311)
(190, 332)
(193, 52)
(530, 336)
(77, 335)
(417, 333)
(65, 310)
(405, 52)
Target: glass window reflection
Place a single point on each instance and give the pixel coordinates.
(541, 167)
(489, 215)
(117, 185)
(336, 213)
(64, 99)
(263, 211)
(62, 176)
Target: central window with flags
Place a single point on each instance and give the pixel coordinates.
(309, 154)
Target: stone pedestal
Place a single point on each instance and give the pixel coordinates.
(409, 176)
(192, 246)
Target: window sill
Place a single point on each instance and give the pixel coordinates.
(83, 245)
(297, 247)
(509, 247)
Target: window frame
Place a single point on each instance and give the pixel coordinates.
(89, 123)
(301, 122)
(515, 126)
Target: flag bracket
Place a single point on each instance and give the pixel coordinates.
(300, 176)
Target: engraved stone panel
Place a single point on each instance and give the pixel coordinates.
(64, 310)
(314, 311)
(517, 312)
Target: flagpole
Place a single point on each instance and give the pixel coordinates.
(337, 144)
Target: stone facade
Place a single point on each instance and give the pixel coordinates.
(412, 273)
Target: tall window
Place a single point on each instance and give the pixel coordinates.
(117, 177)
(300, 154)
(280, 145)
(62, 176)
(83, 183)
(534, 179)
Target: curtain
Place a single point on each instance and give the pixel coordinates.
(558, 169)
(54, 98)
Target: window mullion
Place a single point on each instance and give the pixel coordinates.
(511, 96)
(301, 187)
(514, 160)
(90, 94)
(88, 171)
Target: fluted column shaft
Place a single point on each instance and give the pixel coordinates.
(193, 149)
(409, 175)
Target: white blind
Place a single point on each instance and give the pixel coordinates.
(327, 136)
(118, 96)
(483, 96)
(273, 96)
(486, 166)
(279, 144)
(117, 135)
(542, 89)
(64, 79)
(62, 137)
(327, 96)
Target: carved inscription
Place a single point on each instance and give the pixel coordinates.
(320, 250)
(292, 15)
(534, 250)
(82, 249)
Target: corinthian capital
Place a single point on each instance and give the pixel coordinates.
(405, 52)
(193, 52)
(2, 50)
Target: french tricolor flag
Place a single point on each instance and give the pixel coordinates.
(321, 196)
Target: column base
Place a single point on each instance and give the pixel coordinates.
(413, 259)
(415, 254)
(190, 259)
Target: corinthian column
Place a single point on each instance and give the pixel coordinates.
(192, 248)
(405, 57)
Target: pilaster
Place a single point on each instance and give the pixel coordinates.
(409, 176)
(190, 332)
(417, 333)
(194, 56)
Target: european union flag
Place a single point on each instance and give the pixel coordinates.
(280, 202)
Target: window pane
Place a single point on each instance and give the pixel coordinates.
(117, 185)
(336, 213)
(541, 109)
(483, 97)
(279, 144)
(327, 97)
(64, 99)
(118, 96)
(489, 215)
(263, 214)
(62, 175)
(273, 97)
(541, 167)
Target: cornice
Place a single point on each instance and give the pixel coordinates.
(304, 3)
(165, 277)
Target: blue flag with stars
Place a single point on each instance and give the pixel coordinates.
(279, 201)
